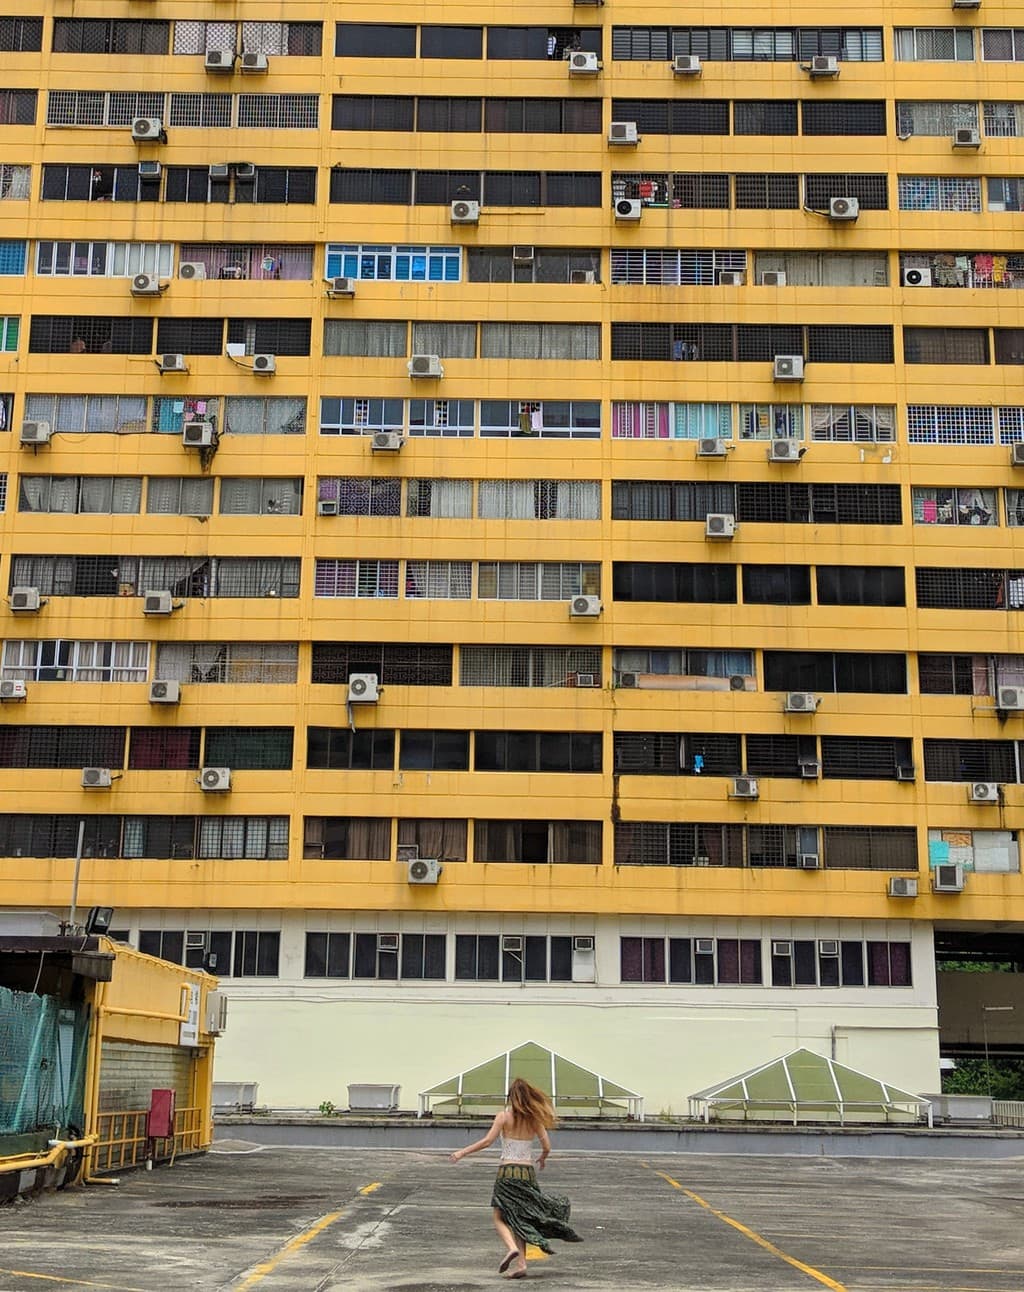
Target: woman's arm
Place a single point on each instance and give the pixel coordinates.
(486, 1142)
(545, 1147)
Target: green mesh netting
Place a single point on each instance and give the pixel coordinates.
(42, 1063)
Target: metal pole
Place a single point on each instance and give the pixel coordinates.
(988, 1068)
(78, 871)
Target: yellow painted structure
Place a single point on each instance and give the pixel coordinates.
(281, 1019)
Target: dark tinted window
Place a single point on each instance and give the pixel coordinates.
(656, 581)
(373, 112)
(451, 42)
(375, 40)
(855, 585)
(375, 187)
(777, 585)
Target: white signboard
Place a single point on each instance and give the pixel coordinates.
(188, 1033)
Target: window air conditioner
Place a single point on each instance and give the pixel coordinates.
(582, 63)
(164, 692)
(720, 525)
(917, 278)
(948, 877)
(731, 278)
(788, 367)
(1017, 454)
(198, 435)
(150, 171)
(704, 946)
(148, 130)
(623, 133)
(584, 607)
(743, 787)
(843, 208)
(465, 211)
(219, 60)
(711, 448)
(264, 364)
(219, 170)
(512, 942)
(966, 137)
(522, 255)
(781, 947)
(25, 600)
(423, 870)
(785, 451)
(254, 63)
(808, 861)
(327, 507)
(192, 270)
(966, 4)
(810, 769)
(628, 209)
(425, 365)
(583, 943)
(823, 65)
(387, 941)
(408, 851)
(773, 278)
(628, 680)
(586, 680)
(195, 941)
(686, 65)
(1010, 698)
(386, 441)
(905, 772)
(800, 702)
(983, 792)
(96, 778)
(157, 603)
(13, 691)
(363, 688)
(902, 886)
(341, 287)
(35, 433)
(171, 363)
(146, 285)
(215, 780)
(582, 277)
(828, 947)
(245, 172)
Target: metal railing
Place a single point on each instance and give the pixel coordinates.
(1008, 1112)
(123, 1142)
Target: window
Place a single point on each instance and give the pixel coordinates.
(775, 755)
(12, 257)
(853, 423)
(767, 192)
(361, 416)
(538, 116)
(540, 42)
(366, 338)
(447, 340)
(540, 341)
(949, 424)
(62, 746)
(664, 581)
(342, 838)
(256, 954)
(98, 108)
(548, 419)
(179, 496)
(249, 748)
(970, 589)
(17, 107)
(855, 585)
(279, 111)
(375, 40)
(537, 580)
(196, 37)
(362, 495)
(545, 666)
(543, 264)
(15, 182)
(872, 847)
(953, 674)
(376, 955)
(107, 576)
(1009, 345)
(674, 116)
(658, 843)
(57, 334)
(658, 500)
(865, 758)
(439, 580)
(871, 191)
(539, 500)
(825, 269)
(194, 184)
(155, 748)
(778, 502)
(684, 663)
(442, 418)
(802, 962)
(98, 495)
(690, 960)
(445, 499)
(373, 112)
(933, 44)
(21, 35)
(435, 837)
(261, 261)
(838, 672)
(328, 955)
(763, 44)
(451, 42)
(673, 268)
(262, 663)
(376, 187)
(10, 327)
(394, 263)
(842, 117)
(538, 842)
(256, 497)
(526, 958)
(777, 585)
(1002, 44)
(1003, 120)
(74, 661)
(395, 663)
(971, 760)
(960, 193)
(945, 345)
(646, 421)
(103, 259)
(48, 835)
(532, 751)
(110, 36)
(642, 959)
(476, 957)
(335, 577)
(935, 118)
(339, 749)
(434, 751)
(889, 964)
(269, 335)
(671, 754)
(764, 117)
(267, 415)
(282, 39)
(954, 506)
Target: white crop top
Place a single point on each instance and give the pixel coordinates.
(517, 1150)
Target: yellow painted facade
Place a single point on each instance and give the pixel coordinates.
(179, 893)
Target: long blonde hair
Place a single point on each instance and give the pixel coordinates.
(530, 1105)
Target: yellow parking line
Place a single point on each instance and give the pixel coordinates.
(370, 1188)
(809, 1270)
(78, 1283)
(266, 1267)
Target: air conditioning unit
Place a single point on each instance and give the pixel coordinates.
(195, 941)
(781, 947)
(808, 861)
(623, 133)
(843, 208)
(582, 277)
(171, 363)
(425, 365)
(1017, 454)
(363, 688)
(150, 171)
(423, 870)
(198, 435)
(522, 255)
(583, 943)
(13, 691)
(966, 137)
(512, 942)
(465, 211)
(711, 448)
(35, 433)
(966, 4)
(219, 170)
(586, 680)
(823, 65)
(948, 877)
(386, 441)
(264, 364)
(810, 769)
(219, 60)
(902, 886)
(773, 278)
(686, 65)
(327, 507)
(744, 787)
(157, 603)
(720, 525)
(148, 130)
(731, 278)
(165, 692)
(192, 270)
(585, 607)
(245, 172)
(628, 680)
(387, 941)
(800, 702)
(828, 947)
(25, 600)
(785, 451)
(408, 851)
(983, 792)
(96, 778)
(341, 287)
(146, 285)
(788, 367)
(215, 780)
(917, 278)
(582, 63)
(232, 273)
(704, 946)
(628, 209)
(216, 1014)
(254, 63)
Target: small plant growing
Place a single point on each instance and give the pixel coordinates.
(328, 1108)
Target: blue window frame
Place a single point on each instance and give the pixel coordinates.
(12, 257)
(394, 263)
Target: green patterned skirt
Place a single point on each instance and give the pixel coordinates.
(531, 1214)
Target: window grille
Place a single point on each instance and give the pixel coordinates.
(15, 182)
(935, 118)
(539, 500)
(361, 416)
(206, 110)
(971, 760)
(674, 116)
(870, 847)
(771, 421)
(439, 580)
(527, 665)
(279, 111)
(57, 334)
(852, 423)
(1011, 424)
(673, 268)
(871, 191)
(660, 500)
(197, 37)
(972, 588)
(249, 748)
(949, 424)
(395, 663)
(650, 843)
(1003, 120)
(950, 506)
(933, 44)
(864, 758)
(362, 495)
(21, 35)
(17, 107)
(335, 577)
(537, 580)
(448, 499)
(13, 252)
(947, 345)
(265, 663)
(764, 117)
(939, 193)
(269, 415)
(235, 837)
(842, 117)
(768, 192)
(1002, 44)
(303, 39)
(394, 263)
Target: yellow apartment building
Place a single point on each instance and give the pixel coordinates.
(510, 524)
